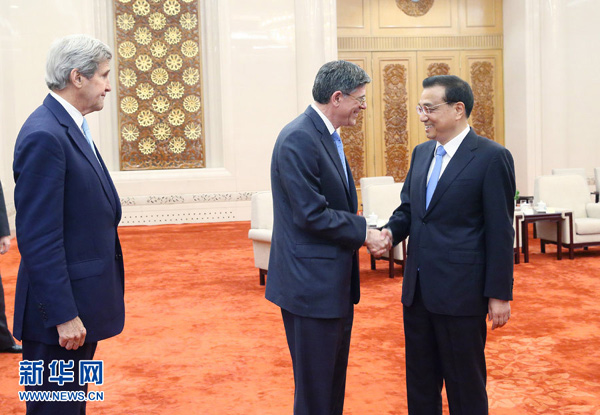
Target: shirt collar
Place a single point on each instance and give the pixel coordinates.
(73, 112)
(328, 123)
(452, 146)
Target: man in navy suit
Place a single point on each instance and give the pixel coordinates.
(457, 206)
(70, 284)
(313, 266)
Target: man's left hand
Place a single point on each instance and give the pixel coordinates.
(4, 244)
(498, 312)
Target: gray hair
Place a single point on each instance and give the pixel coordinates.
(81, 52)
(335, 76)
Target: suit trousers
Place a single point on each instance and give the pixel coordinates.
(40, 351)
(444, 349)
(6, 339)
(319, 349)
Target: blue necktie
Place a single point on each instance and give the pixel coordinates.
(340, 148)
(88, 136)
(435, 174)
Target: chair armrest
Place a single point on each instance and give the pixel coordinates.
(262, 235)
(592, 210)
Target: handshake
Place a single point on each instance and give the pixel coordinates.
(379, 242)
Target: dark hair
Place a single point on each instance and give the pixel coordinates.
(457, 90)
(339, 75)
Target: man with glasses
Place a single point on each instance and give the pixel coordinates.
(313, 266)
(457, 206)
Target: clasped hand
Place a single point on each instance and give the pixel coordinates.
(379, 242)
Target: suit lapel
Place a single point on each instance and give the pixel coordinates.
(77, 137)
(459, 161)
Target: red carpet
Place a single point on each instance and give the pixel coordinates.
(201, 339)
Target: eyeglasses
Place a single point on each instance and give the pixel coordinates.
(361, 100)
(429, 109)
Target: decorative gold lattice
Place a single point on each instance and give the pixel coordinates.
(159, 84)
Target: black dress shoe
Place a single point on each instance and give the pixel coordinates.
(16, 348)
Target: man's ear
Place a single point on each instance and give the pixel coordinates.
(76, 78)
(336, 98)
(459, 107)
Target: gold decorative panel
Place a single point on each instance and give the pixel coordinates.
(354, 147)
(414, 9)
(482, 83)
(159, 84)
(395, 99)
(438, 68)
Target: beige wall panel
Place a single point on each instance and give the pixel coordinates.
(430, 63)
(389, 20)
(395, 117)
(483, 71)
(354, 18)
(358, 146)
(480, 16)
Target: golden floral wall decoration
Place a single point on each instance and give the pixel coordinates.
(159, 84)
(414, 8)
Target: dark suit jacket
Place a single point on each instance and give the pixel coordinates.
(313, 266)
(462, 245)
(67, 216)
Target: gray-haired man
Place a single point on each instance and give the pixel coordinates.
(70, 285)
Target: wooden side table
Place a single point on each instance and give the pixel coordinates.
(541, 217)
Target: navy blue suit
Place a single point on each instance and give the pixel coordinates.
(460, 254)
(313, 267)
(67, 216)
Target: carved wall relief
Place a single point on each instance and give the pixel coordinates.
(354, 147)
(395, 98)
(438, 68)
(482, 83)
(413, 9)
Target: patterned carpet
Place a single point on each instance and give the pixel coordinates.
(201, 339)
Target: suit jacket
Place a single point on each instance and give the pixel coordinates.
(461, 247)
(313, 265)
(67, 216)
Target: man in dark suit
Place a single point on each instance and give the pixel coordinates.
(70, 284)
(7, 343)
(457, 207)
(313, 266)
